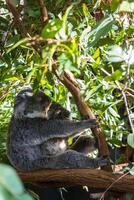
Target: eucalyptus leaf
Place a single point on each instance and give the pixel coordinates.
(100, 30)
(116, 54)
(126, 6)
(52, 27)
(5, 195)
(130, 140)
(113, 112)
(10, 180)
(132, 171)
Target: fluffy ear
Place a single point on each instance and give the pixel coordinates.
(26, 88)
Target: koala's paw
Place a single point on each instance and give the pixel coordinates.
(102, 161)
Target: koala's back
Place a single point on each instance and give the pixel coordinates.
(25, 143)
(22, 133)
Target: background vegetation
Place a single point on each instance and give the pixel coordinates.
(93, 39)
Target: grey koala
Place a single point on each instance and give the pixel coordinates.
(38, 135)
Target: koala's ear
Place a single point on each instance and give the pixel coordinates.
(26, 90)
(27, 87)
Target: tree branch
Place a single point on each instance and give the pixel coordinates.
(17, 18)
(93, 178)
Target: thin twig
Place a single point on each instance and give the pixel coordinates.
(7, 33)
(126, 105)
(110, 186)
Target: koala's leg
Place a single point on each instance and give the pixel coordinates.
(32, 165)
(84, 144)
(73, 159)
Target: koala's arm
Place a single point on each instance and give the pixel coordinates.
(64, 128)
(73, 159)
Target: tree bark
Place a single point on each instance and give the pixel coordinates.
(93, 178)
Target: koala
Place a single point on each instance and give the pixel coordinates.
(56, 111)
(85, 144)
(37, 136)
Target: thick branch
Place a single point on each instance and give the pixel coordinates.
(17, 18)
(72, 85)
(92, 178)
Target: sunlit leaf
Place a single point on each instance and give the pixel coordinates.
(4, 194)
(113, 112)
(115, 4)
(117, 75)
(10, 180)
(132, 171)
(52, 27)
(126, 6)
(65, 18)
(116, 54)
(130, 140)
(100, 30)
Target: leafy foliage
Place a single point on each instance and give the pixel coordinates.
(11, 187)
(93, 39)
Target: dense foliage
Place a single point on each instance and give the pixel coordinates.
(93, 39)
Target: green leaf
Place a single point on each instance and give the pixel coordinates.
(70, 141)
(132, 171)
(96, 54)
(4, 194)
(23, 41)
(130, 30)
(92, 92)
(130, 140)
(101, 29)
(24, 196)
(52, 27)
(126, 7)
(10, 180)
(117, 75)
(116, 54)
(120, 36)
(115, 4)
(66, 63)
(65, 18)
(113, 112)
(11, 187)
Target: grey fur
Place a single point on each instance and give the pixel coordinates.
(40, 141)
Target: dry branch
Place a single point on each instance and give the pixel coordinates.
(93, 178)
